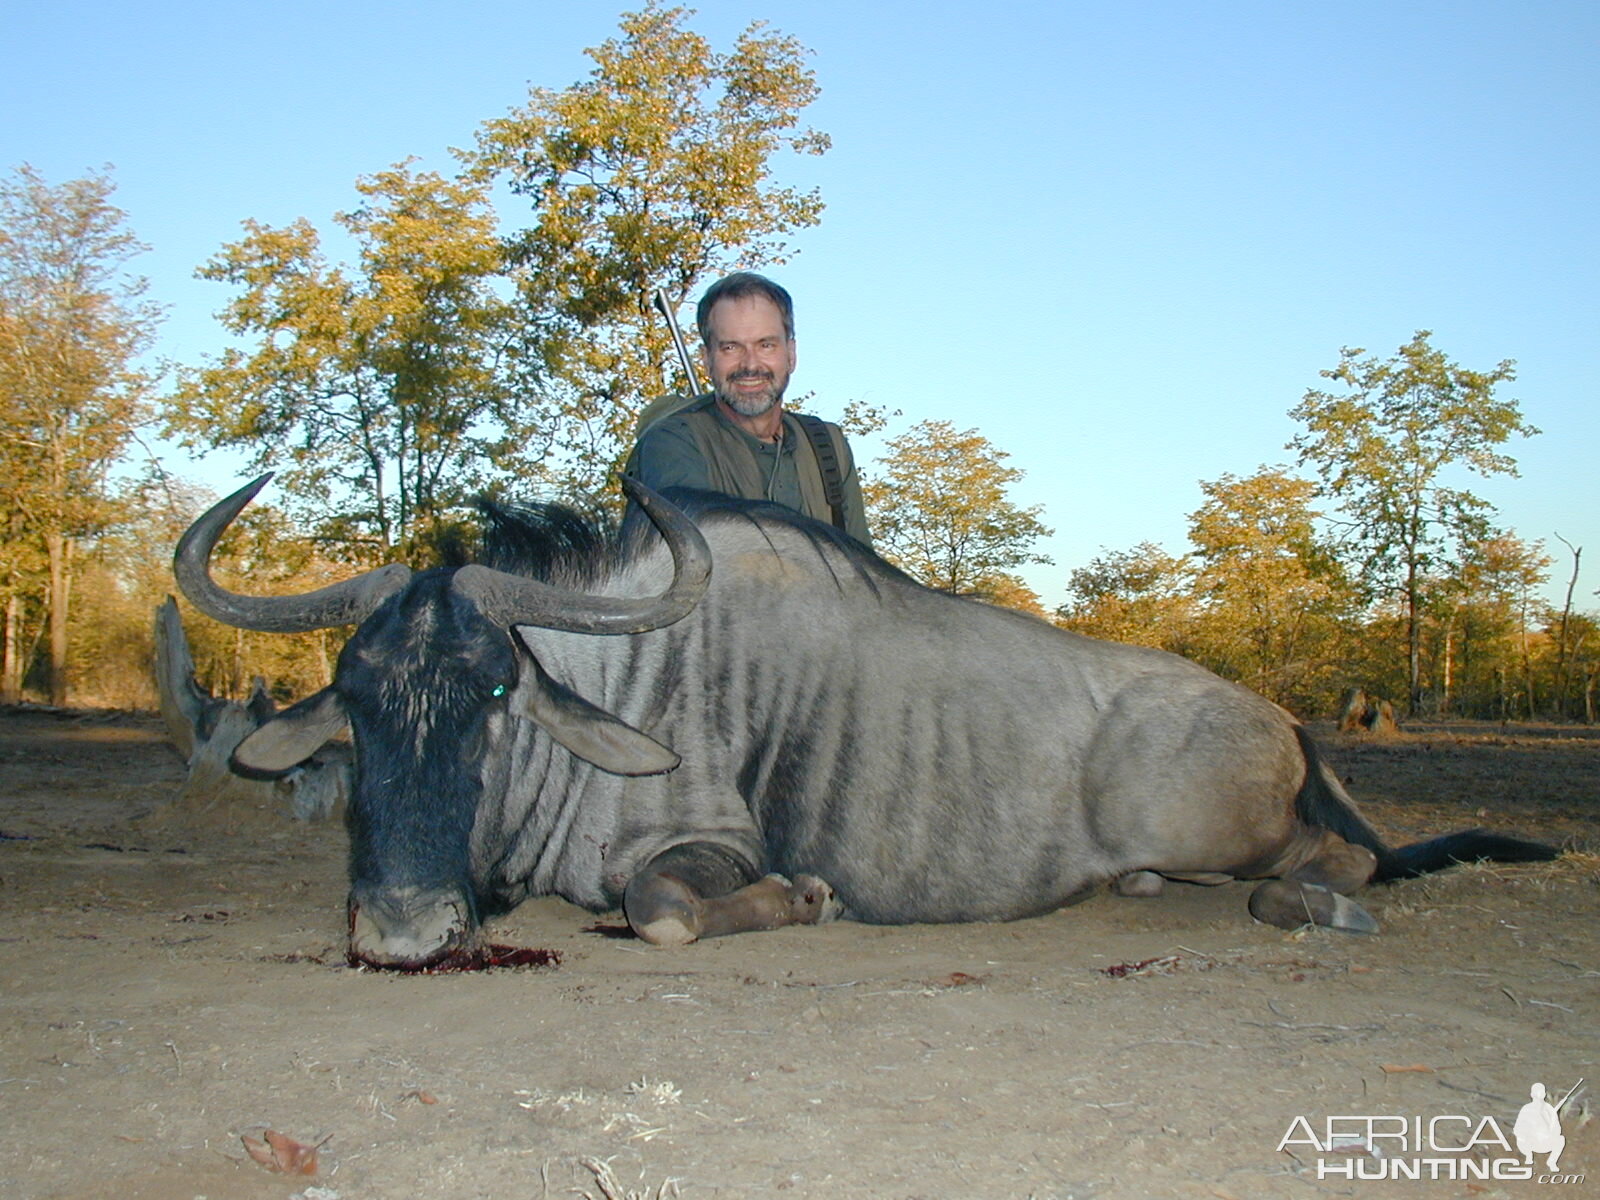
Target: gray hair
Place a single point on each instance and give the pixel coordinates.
(738, 286)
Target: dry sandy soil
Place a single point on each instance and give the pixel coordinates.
(168, 987)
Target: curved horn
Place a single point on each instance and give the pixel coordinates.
(512, 600)
(338, 604)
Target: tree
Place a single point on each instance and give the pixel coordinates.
(1012, 591)
(1578, 671)
(73, 325)
(125, 571)
(1143, 597)
(1272, 593)
(1494, 618)
(387, 388)
(1568, 637)
(940, 511)
(653, 173)
(1381, 443)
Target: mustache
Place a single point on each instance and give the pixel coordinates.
(751, 374)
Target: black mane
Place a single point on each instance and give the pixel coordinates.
(699, 505)
(707, 509)
(560, 544)
(551, 542)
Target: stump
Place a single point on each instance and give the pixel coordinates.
(205, 730)
(1363, 713)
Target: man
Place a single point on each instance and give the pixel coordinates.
(738, 439)
(1538, 1129)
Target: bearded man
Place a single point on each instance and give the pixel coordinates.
(737, 439)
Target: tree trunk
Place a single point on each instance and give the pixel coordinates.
(1449, 657)
(1413, 644)
(59, 547)
(205, 731)
(10, 659)
(236, 665)
(1527, 663)
(1564, 653)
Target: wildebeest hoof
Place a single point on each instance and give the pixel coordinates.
(812, 901)
(1140, 883)
(1289, 904)
(662, 910)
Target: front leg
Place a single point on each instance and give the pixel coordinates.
(698, 890)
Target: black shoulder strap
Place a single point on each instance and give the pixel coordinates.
(828, 462)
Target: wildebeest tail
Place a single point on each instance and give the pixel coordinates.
(1453, 849)
(1323, 803)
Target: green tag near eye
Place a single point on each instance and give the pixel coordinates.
(499, 689)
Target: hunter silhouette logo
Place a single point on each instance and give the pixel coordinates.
(1538, 1127)
(1448, 1146)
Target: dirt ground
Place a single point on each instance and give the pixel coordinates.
(170, 987)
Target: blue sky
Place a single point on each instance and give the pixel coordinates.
(1121, 240)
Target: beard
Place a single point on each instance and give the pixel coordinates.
(750, 404)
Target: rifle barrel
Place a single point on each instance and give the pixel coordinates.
(1568, 1096)
(664, 307)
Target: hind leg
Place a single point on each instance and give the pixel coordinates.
(1316, 892)
(697, 890)
(1153, 883)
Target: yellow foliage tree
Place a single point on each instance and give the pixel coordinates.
(1383, 438)
(383, 389)
(939, 511)
(1490, 621)
(1271, 594)
(655, 172)
(73, 324)
(1143, 596)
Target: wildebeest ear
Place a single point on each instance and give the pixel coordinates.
(591, 733)
(292, 736)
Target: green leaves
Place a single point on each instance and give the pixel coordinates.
(1383, 443)
(1273, 594)
(654, 172)
(940, 511)
(372, 380)
(449, 356)
(73, 323)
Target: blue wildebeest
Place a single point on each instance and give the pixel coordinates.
(801, 732)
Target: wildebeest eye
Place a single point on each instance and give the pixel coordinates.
(499, 690)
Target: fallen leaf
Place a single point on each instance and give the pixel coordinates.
(282, 1153)
(258, 1150)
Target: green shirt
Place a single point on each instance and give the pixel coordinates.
(700, 447)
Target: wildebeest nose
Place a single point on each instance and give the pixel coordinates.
(408, 927)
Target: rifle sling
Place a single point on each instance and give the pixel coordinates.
(827, 463)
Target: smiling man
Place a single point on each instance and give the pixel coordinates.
(738, 439)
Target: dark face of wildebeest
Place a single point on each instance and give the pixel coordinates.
(434, 657)
(416, 683)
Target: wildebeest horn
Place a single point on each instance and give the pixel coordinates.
(514, 600)
(338, 604)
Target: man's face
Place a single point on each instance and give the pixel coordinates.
(748, 355)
